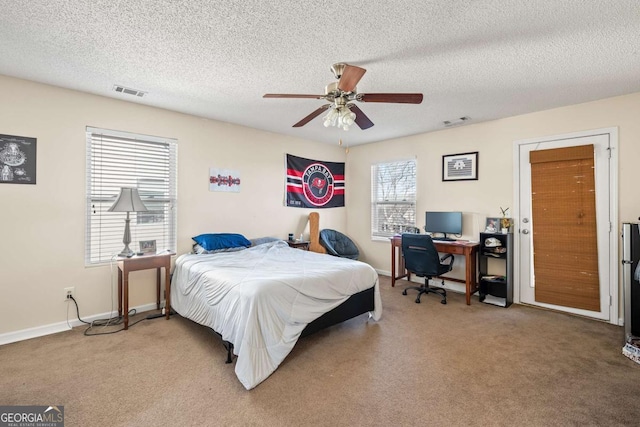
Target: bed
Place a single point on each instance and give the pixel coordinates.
(263, 298)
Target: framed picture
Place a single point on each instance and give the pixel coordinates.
(226, 180)
(148, 246)
(492, 226)
(460, 167)
(17, 159)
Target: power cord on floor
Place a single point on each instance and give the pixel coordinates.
(77, 309)
(112, 321)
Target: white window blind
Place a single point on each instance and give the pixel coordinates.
(393, 197)
(120, 159)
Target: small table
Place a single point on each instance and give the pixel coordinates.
(304, 245)
(469, 250)
(143, 262)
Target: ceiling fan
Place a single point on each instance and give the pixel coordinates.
(342, 112)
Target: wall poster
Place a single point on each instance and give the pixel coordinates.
(17, 159)
(226, 180)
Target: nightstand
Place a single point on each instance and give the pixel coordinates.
(303, 245)
(143, 262)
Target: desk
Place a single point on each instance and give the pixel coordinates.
(469, 250)
(143, 262)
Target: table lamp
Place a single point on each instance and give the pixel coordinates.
(128, 201)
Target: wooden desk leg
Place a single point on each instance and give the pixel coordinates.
(467, 280)
(167, 290)
(125, 299)
(119, 292)
(393, 265)
(470, 271)
(403, 268)
(397, 264)
(158, 288)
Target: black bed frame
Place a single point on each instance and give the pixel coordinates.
(357, 304)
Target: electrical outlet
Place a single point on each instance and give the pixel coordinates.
(69, 292)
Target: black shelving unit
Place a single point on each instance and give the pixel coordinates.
(496, 289)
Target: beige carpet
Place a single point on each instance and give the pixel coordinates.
(422, 364)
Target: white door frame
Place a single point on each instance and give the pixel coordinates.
(613, 212)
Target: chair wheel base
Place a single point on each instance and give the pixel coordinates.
(444, 301)
(404, 292)
(417, 301)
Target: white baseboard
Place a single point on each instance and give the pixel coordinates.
(54, 328)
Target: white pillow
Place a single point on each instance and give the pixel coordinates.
(197, 249)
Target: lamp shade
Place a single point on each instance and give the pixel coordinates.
(128, 201)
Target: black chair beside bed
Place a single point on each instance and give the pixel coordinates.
(422, 259)
(337, 244)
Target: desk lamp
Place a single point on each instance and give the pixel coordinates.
(128, 201)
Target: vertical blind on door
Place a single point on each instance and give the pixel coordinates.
(121, 159)
(565, 245)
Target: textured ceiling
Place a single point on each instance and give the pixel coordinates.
(482, 59)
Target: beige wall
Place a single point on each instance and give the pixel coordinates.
(494, 188)
(42, 238)
(43, 225)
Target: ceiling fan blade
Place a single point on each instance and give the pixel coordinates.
(291, 95)
(361, 119)
(311, 116)
(399, 98)
(351, 75)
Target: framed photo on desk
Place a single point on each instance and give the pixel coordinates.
(148, 246)
(492, 226)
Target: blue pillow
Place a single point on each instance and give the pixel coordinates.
(211, 242)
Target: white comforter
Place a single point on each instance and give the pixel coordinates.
(261, 298)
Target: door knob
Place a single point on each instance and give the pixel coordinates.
(525, 231)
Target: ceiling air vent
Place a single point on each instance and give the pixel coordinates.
(129, 91)
(456, 122)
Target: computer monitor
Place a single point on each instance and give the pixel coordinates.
(443, 223)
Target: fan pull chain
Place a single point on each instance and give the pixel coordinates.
(346, 150)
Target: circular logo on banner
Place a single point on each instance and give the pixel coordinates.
(317, 184)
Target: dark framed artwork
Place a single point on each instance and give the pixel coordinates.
(460, 167)
(17, 159)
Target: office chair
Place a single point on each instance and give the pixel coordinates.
(422, 259)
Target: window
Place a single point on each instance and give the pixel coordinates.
(120, 159)
(393, 197)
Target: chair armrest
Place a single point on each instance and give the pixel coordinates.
(444, 258)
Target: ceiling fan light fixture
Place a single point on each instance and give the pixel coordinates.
(340, 116)
(331, 118)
